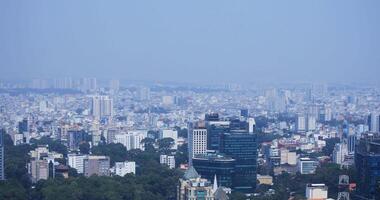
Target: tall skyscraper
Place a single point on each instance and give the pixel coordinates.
(114, 85)
(75, 137)
(214, 130)
(300, 123)
(197, 136)
(351, 142)
(101, 106)
(2, 173)
(374, 122)
(241, 146)
(339, 153)
(367, 159)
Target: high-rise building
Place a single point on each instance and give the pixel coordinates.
(75, 138)
(311, 123)
(132, 139)
(23, 126)
(168, 160)
(114, 85)
(2, 173)
(76, 161)
(89, 84)
(197, 136)
(305, 123)
(367, 159)
(300, 123)
(214, 131)
(241, 146)
(251, 125)
(374, 122)
(97, 165)
(101, 106)
(211, 165)
(340, 152)
(351, 143)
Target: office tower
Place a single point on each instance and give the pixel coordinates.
(311, 123)
(339, 153)
(244, 113)
(89, 85)
(367, 159)
(75, 138)
(307, 165)
(211, 165)
(328, 114)
(23, 126)
(373, 122)
(101, 106)
(114, 85)
(124, 168)
(316, 191)
(2, 173)
(214, 130)
(242, 147)
(97, 165)
(192, 186)
(197, 137)
(63, 83)
(300, 123)
(76, 161)
(237, 125)
(170, 133)
(168, 160)
(351, 143)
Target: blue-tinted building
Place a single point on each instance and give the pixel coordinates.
(218, 165)
(75, 138)
(2, 173)
(214, 130)
(367, 162)
(241, 146)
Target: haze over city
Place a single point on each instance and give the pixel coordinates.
(189, 100)
(196, 41)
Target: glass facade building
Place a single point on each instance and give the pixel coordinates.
(2, 173)
(215, 130)
(367, 161)
(212, 164)
(242, 147)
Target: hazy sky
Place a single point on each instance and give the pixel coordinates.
(208, 41)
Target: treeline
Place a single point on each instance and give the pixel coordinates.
(152, 180)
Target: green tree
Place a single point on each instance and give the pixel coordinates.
(84, 148)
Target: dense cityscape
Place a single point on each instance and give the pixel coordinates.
(189, 100)
(89, 139)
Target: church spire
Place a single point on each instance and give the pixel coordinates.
(215, 186)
